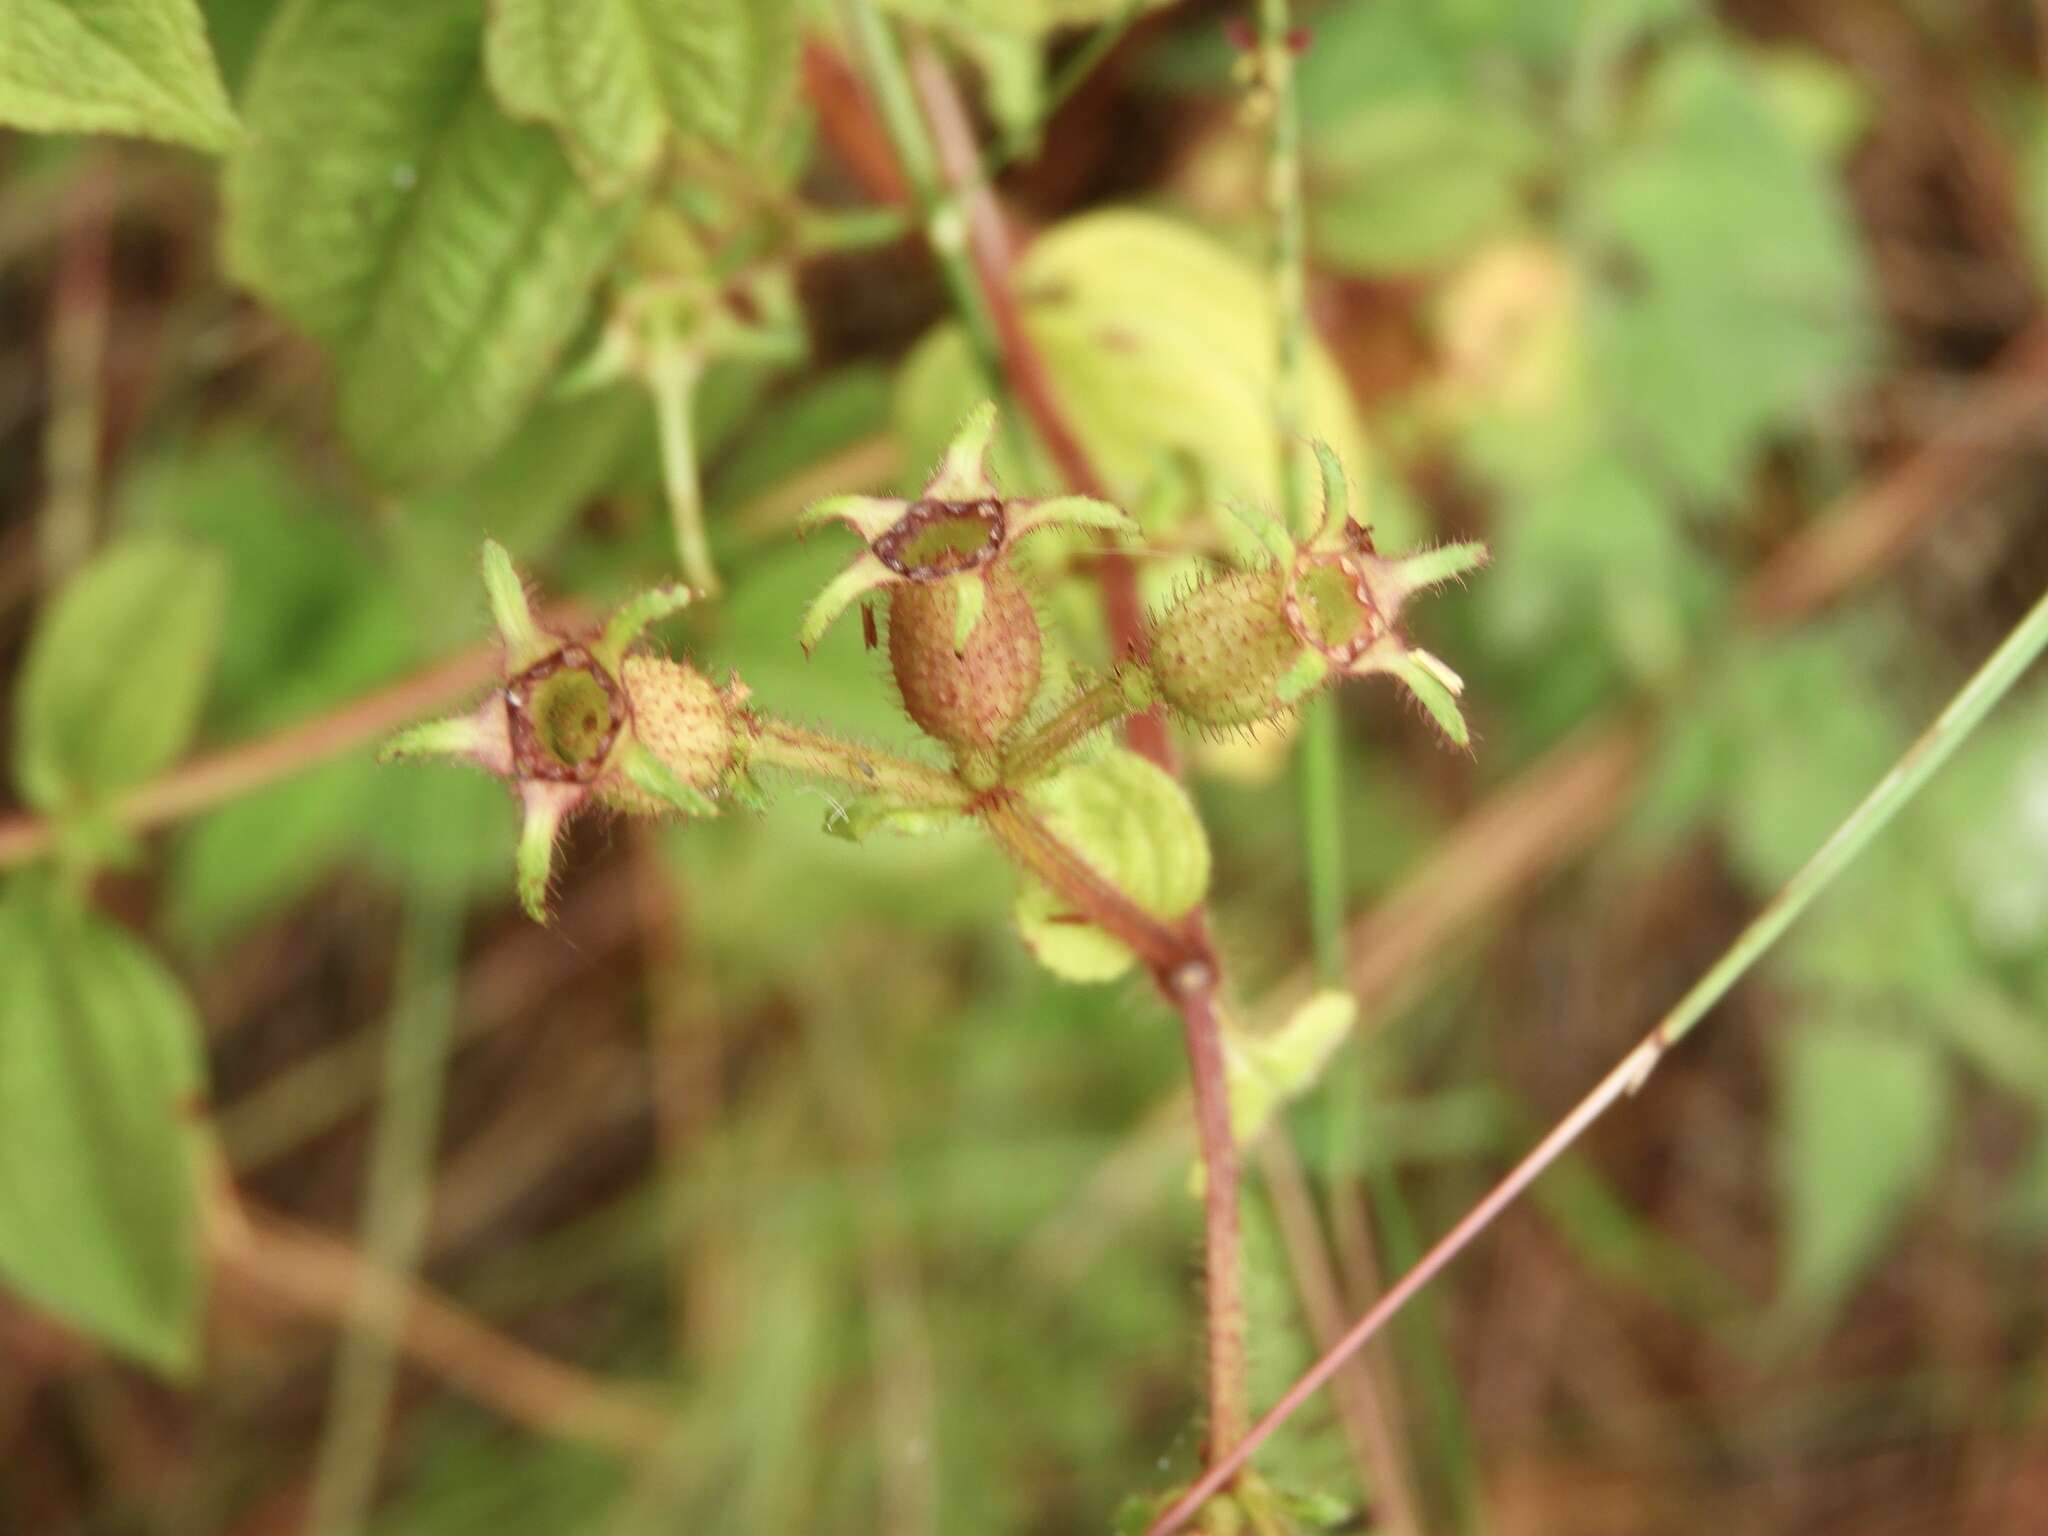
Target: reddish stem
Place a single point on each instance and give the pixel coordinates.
(1183, 964)
(1182, 961)
(990, 252)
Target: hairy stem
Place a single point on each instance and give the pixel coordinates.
(979, 276)
(1953, 726)
(972, 241)
(1193, 988)
(1102, 703)
(821, 755)
(1041, 853)
(1183, 965)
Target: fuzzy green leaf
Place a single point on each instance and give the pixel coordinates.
(618, 78)
(1160, 344)
(1266, 1071)
(383, 202)
(1136, 828)
(116, 672)
(1749, 304)
(1861, 1122)
(99, 1160)
(139, 67)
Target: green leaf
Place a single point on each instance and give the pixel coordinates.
(1860, 1126)
(1746, 301)
(618, 78)
(1160, 344)
(381, 199)
(1415, 183)
(298, 570)
(1776, 746)
(137, 67)
(1265, 1071)
(1989, 819)
(1136, 828)
(99, 1160)
(116, 672)
(1594, 546)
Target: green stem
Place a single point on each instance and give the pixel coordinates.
(672, 375)
(1125, 692)
(1319, 776)
(1319, 762)
(1951, 728)
(945, 222)
(1071, 77)
(1290, 280)
(417, 1040)
(821, 755)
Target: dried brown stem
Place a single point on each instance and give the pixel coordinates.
(208, 781)
(322, 1278)
(1362, 1410)
(1876, 526)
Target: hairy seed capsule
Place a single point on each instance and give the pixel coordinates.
(967, 699)
(682, 718)
(1219, 655)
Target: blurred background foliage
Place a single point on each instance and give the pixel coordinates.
(1720, 322)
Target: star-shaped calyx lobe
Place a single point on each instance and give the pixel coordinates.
(958, 530)
(578, 719)
(964, 639)
(1247, 646)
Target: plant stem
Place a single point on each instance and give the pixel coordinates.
(1953, 726)
(416, 1046)
(1319, 776)
(1102, 703)
(1071, 77)
(944, 224)
(1041, 853)
(1319, 762)
(820, 755)
(1222, 1237)
(976, 258)
(969, 238)
(672, 374)
(1183, 965)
